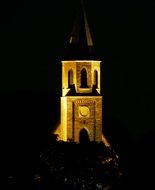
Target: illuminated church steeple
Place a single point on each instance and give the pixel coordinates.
(81, 101)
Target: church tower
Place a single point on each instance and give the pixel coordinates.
(81, 101)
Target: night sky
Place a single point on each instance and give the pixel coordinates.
(33, 38)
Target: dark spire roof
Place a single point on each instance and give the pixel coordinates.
(80, 45)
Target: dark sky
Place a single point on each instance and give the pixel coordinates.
(33, 38)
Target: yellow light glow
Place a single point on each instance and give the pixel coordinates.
(105, 141)
(79, 111)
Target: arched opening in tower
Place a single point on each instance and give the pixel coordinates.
(84, 78)
(84, 136)
(70, 78)
(96, 79)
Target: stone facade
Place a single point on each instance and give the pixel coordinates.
(82, 112)
(76, 67)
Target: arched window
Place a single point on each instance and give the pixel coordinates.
(84, 78)
(96, 79)
(70, 78)
(84, 136)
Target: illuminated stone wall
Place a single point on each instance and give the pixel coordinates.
(81, 112)
(76, 67)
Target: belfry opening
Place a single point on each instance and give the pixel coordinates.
(70, 78)
(96, 79)
(84, 78)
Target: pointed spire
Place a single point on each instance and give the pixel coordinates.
(81, 29)
(81, 44)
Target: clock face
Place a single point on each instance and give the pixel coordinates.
(84, 111)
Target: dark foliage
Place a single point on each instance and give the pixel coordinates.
(84, 166)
